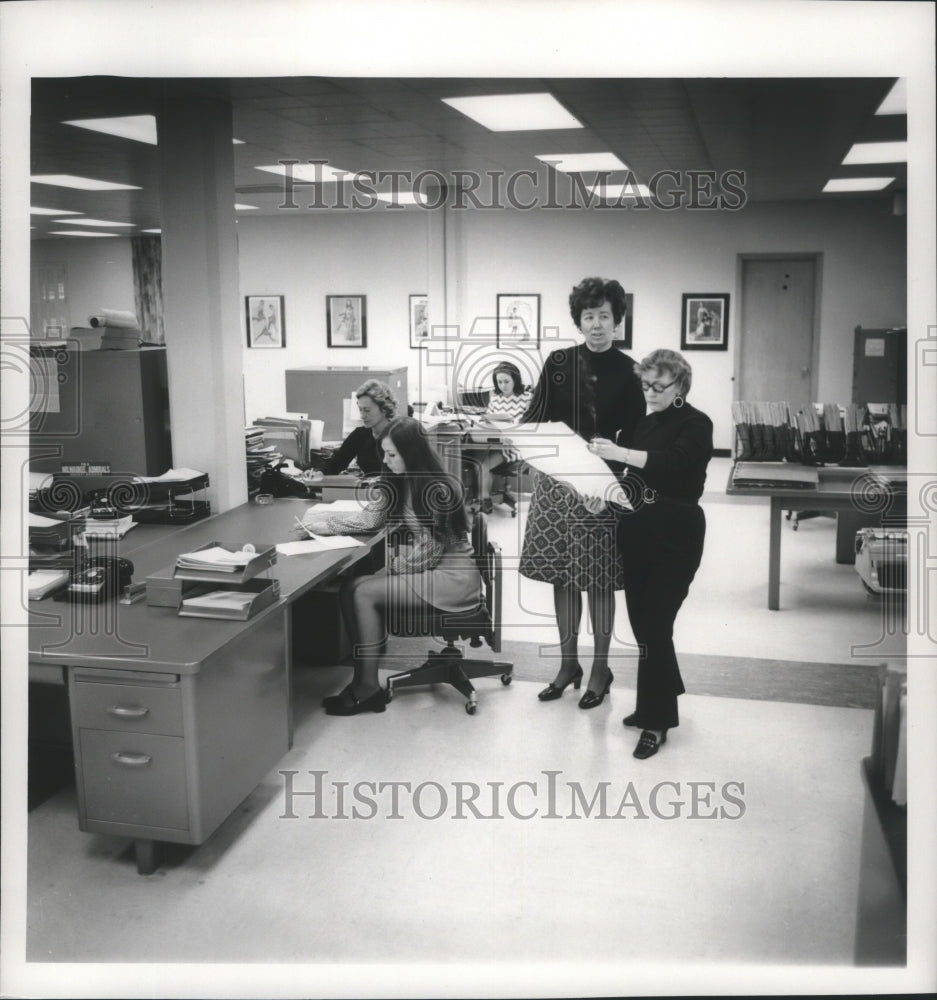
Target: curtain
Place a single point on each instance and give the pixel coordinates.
(148, 286)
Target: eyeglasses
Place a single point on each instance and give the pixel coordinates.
(656, 386)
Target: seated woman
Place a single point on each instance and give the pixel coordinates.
(432, 569)
(508, 404)
(377, 406)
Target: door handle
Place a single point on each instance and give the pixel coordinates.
(128, 711)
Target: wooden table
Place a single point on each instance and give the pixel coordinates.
(175, 720)
(839, 490)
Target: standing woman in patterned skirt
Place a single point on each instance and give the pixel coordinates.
(593, 389)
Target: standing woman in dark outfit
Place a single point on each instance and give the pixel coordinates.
(661, 540)
(593, 389)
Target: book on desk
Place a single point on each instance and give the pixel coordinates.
(784, 475)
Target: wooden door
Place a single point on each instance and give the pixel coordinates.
(777, 334)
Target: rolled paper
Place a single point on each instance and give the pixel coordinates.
(115, 317)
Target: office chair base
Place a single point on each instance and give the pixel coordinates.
(448, 666)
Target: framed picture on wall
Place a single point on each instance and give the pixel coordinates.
(705, 322)
(622, 337)
(265, 321)
(419, 319)
(518, 320)
(347, 320)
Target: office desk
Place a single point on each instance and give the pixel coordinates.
(837, 490)
(175, 720)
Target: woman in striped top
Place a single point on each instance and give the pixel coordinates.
(508, 404)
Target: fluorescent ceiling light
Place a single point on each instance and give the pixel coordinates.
(857, 184)
(404, 198)
(578, 163)
(237, 142)
(877, 152)
(151, 230)
(140, 128)
(515, 112)
(618, 191)
(34, 210)
(896, 100)
(307, 172)
(245, 208)
(93, 222)
(81, 183)
(77, 232)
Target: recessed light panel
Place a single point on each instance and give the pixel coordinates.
(896, 101)
(77, 232)
(140, 128)
(35, 210)
(515, 112)
(245, 208)
(840, 184)
(404, 198)
(94, 222)
(877, 152)
(580, 163)
(618, 191)
(81, 183)
(310, 172)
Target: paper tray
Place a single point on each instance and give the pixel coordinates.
(257, 595)
(264, 558)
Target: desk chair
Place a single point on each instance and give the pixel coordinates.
(450, 665)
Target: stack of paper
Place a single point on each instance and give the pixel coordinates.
(45, 581)
(110, 527)
(215, 558)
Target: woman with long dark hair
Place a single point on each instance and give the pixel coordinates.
(509, 402)
(430, 565)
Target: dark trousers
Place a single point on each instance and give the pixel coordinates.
(660, 546)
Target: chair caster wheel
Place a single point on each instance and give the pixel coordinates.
(506, 679)
(471, 707)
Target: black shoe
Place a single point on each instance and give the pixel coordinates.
(592, 700)
(648, 744)
(348, 704)
(630, 720)
(552, 692)
(487, 506)
(337, 699)
(511, 501)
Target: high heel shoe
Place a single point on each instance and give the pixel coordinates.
(630, 720)
(649, 744)
(348, 704)
(336, 699)
(592, 700)
(552, 692)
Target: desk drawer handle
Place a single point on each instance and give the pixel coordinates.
(129, 711)
(131, 759)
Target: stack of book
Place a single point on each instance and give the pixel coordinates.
(258, 454)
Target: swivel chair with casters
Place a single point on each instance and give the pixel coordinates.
(450, 665)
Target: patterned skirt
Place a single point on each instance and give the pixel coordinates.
(566, 544)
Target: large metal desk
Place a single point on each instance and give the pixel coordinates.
(175, 720)
(840, 490)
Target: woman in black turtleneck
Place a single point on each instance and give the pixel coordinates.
(661, 540)
(594, 390)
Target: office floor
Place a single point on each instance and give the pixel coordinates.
(773, 880)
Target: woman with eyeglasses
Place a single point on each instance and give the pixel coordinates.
(660, 541)
(568, 543)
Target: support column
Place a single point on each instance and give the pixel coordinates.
(201, 298)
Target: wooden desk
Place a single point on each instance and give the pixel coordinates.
(836, 491)
(175, 720)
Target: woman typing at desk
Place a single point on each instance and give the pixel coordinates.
(431, 566)
(505, 409)
(377, 406)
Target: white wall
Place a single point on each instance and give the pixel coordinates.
(656, 255)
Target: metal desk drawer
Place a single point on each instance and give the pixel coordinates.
(128, 707)
(134, 778)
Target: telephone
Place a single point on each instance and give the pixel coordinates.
(100, 578)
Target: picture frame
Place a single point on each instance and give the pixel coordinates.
(266, 321)
(518, 319)
(622, 338)
(419, 320)
(346, 320)
(705, 322)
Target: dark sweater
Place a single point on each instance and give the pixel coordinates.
(679, 445)
(360, 446)
(595, 394)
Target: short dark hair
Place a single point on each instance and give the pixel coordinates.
(507, 368)
(592, 292)
(669, 363)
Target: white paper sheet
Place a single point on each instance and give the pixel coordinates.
(323, 543)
